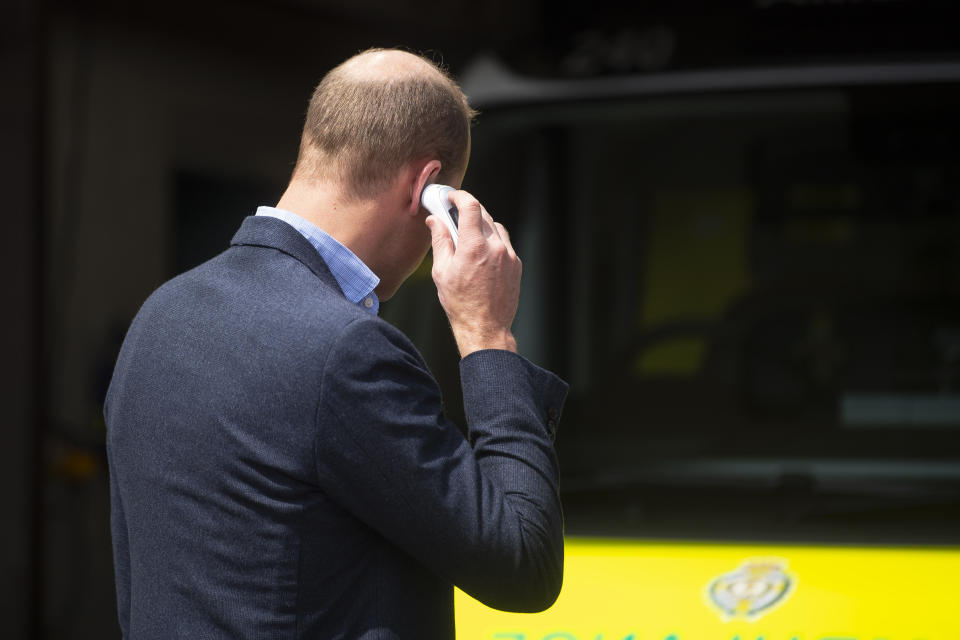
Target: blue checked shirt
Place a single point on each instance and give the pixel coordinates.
(355, 278)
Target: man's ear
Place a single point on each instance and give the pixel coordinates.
(425, 173)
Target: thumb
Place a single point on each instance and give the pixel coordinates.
(441, 240)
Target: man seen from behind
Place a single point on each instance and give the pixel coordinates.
(280, 463)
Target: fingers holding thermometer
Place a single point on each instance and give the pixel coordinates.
(436, 199)
(477, 278)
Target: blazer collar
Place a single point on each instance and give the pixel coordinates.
(265, 231)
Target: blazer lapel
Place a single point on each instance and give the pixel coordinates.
(264, 231)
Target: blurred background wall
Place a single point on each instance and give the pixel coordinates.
(120, 121)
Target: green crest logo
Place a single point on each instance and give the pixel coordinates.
(752, 590)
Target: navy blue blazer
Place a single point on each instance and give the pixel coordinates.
(281, 467)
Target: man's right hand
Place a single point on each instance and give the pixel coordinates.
(478, 282)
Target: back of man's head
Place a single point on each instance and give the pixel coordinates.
(376, 112)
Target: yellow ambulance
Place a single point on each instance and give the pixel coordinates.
(750, 278)
(645, 590)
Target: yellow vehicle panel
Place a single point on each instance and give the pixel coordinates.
(642, 590)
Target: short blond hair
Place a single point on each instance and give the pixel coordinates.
(361, 128)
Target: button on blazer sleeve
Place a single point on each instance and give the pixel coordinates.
(485, 516)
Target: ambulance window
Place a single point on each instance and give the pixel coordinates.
(752, 295)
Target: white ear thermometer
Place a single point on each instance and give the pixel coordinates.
(435, 200)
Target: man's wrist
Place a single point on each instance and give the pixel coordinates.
(501, 340)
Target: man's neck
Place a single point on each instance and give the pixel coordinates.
(348, 220)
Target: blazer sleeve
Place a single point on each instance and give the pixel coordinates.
(485, 516)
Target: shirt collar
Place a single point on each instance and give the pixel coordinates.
(356, 280)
